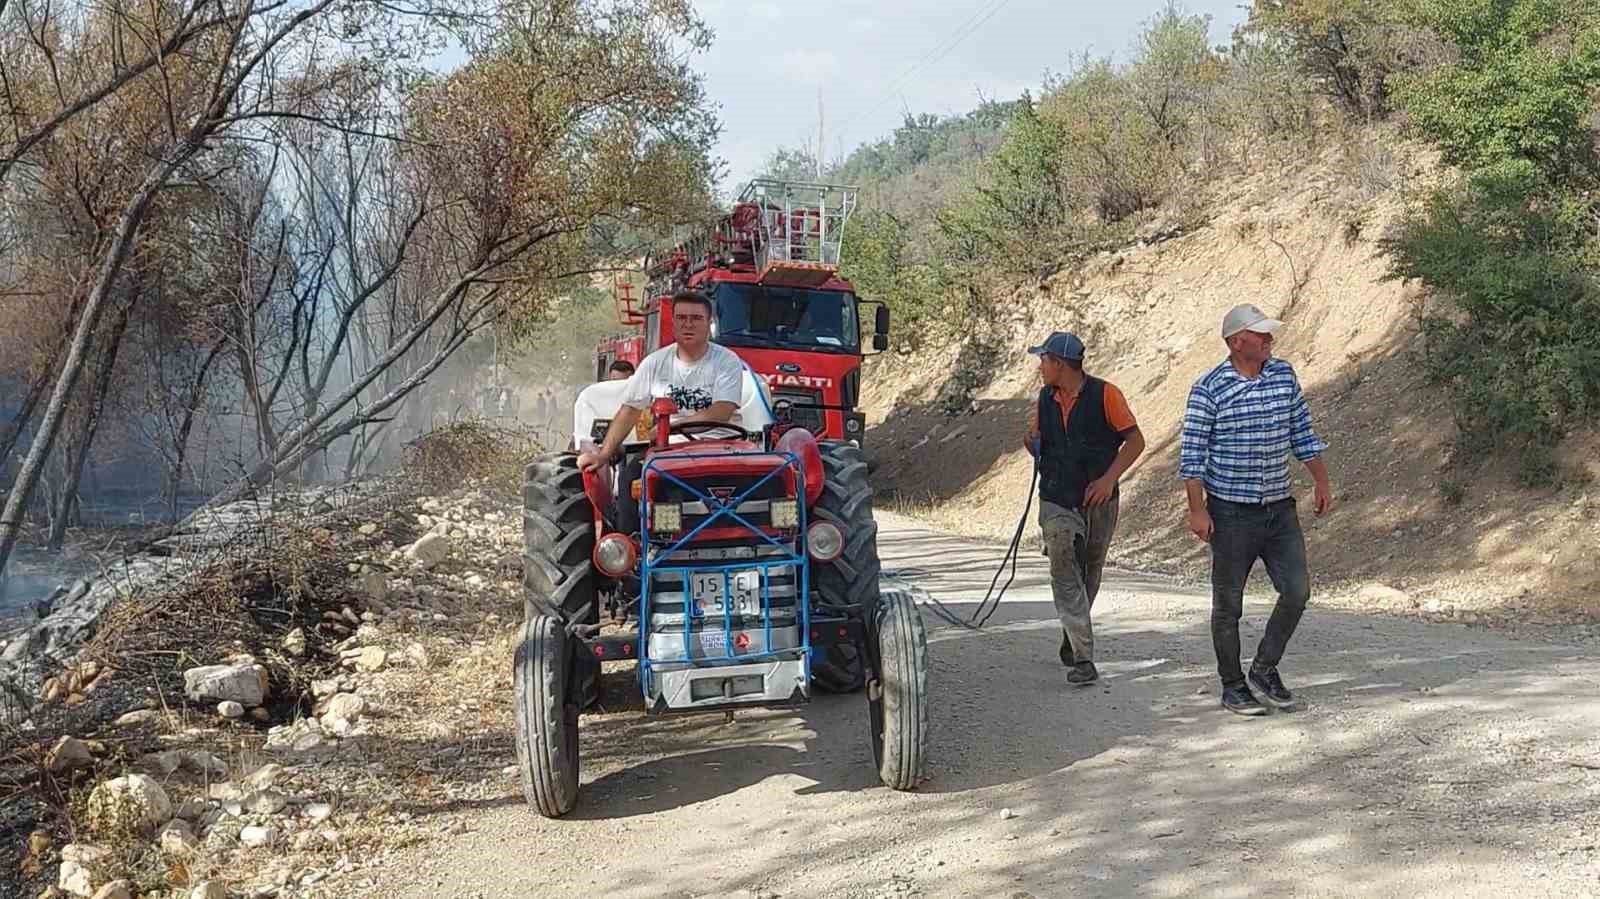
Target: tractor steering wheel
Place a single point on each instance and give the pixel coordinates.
(693, 429)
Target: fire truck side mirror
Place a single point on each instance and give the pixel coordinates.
(880, 342)
(881, 327)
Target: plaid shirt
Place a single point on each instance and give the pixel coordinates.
(1238, 433)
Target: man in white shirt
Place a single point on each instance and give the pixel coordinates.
(704, 379)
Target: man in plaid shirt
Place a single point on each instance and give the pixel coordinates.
(1243, 419)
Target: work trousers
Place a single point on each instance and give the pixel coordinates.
(1077, 540)
(1241, 535)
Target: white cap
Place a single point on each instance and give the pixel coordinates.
(1248, 317)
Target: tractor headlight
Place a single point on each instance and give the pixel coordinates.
(824, 541)
(615, 555)
(666, 517)
(785, 513)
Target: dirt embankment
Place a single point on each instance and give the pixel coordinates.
(1458, 536)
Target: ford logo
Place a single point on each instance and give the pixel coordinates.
(788, 367)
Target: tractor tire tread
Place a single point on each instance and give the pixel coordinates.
(547, 723)
(903, 645)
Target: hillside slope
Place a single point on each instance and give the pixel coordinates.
(1458, 536)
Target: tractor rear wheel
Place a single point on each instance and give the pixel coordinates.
(547, 717)
(852, 579)
(898, 702)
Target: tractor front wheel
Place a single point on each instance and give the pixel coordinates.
(547, 717)
(898, 699)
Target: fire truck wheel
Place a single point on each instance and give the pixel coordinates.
(852, 579)
(557, 539)
(547, 717)
(898, 704)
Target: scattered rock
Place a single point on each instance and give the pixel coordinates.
(417, 655)
(319, 812)
(294, 643)
(367, 530)
(139, 718)
(345, 706)
(84, 869)
(322, 689)
(116, 889)
(177, 838)
(204, 763)
(256, 837)
(369, 659)
(209, 889)
(230, 709)
(193, 809)
(477, 582)
(429, 551)
(163, 763)
(1007, 814)
(265, 802)
(67, 754)
(134, 802)
(264, 777)
(245, 684)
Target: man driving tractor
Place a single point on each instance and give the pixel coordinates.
(704, 379)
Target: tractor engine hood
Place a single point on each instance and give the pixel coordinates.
(702, 465)
(711, 465)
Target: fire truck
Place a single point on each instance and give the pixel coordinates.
(770, 267)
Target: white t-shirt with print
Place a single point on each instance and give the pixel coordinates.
(716, 377)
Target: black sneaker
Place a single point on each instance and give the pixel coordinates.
(1269, 687)
(1066, 650)
(1082, 674)
(1239, 701)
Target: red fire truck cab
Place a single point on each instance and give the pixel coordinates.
(770, 268)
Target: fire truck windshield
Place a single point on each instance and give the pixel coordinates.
(819, 320)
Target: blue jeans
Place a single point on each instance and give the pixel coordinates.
(1242, 534)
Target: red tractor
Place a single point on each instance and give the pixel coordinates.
(735, 564)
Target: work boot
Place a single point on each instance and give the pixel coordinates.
(1082, 674)
(1269, 688)
(1239, 701)
(1066, 650)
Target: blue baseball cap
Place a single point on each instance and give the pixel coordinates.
(1061, 344)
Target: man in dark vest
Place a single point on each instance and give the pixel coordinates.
(1084, 437)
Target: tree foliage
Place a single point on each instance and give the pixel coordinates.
(1510, 246)
(291, 218)
(1349, 48)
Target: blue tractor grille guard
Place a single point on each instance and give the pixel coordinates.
(795, 559)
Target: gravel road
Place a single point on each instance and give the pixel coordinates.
(1429, 760)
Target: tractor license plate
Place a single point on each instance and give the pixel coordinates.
(742, 596)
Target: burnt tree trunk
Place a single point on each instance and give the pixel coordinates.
(77, 448)
(191, 411)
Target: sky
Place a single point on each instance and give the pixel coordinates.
(872, 60)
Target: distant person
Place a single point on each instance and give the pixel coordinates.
(1084, 436)
(1243, 419)
(620, 370)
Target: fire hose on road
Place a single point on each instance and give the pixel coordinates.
(991, 599)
